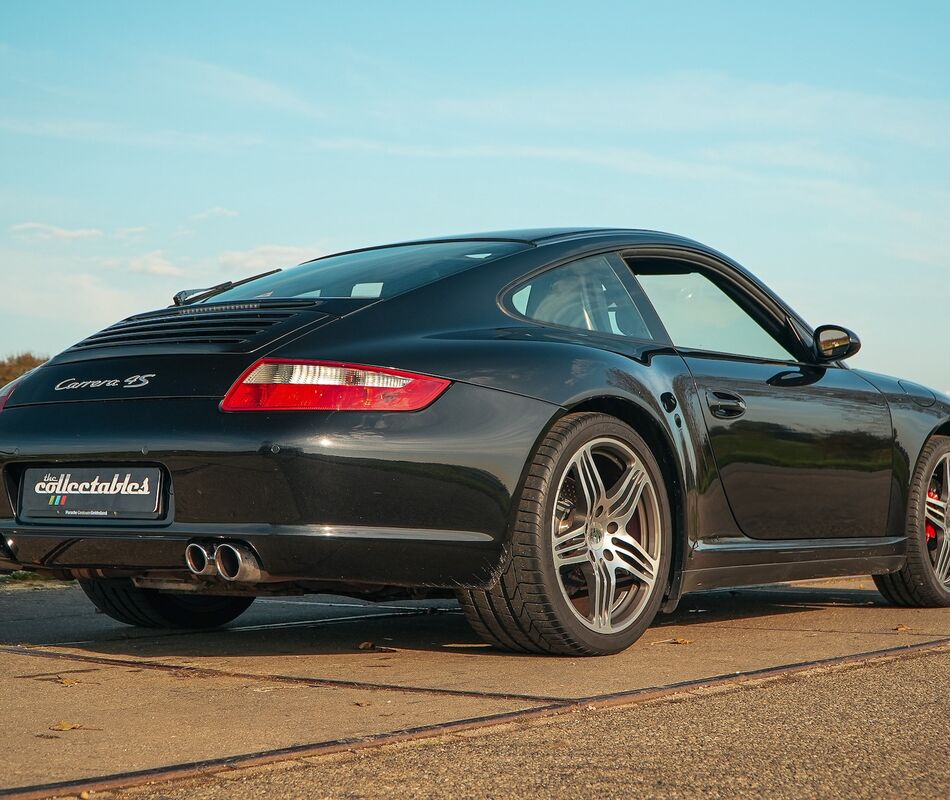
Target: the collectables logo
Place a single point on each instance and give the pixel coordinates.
(132, 382)
(63, 484)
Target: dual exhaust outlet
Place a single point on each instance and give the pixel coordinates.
(232, 562)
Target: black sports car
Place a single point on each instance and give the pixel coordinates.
(567, 428)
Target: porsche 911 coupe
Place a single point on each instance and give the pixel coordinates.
(567, 428)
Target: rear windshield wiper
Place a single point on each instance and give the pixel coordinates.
(188, 296)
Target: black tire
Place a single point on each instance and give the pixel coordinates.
(525, 609)
(916, 585)
(149, 608)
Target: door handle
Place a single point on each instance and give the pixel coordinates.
(725, 405)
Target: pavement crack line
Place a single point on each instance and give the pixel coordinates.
(565, 706)
(266, 626)
(839, 631)
(302, 680)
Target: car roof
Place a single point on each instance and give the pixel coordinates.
(533, 236)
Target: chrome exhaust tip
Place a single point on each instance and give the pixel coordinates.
(235, 562)
(200, 559)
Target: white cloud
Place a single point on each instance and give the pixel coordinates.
(797, 156)
(710, 101)
(216, 212)
(239, 87)
(47, 321)
(98, 132)
(130, 233)
(268, 256)
(154, 263)
(40, 230)
(621, 158)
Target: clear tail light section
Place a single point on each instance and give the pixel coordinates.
(284, 385)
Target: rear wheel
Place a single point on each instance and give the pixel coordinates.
(590, 547)
(149, 608)
(924, 581)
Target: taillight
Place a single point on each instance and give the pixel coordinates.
(7, 391)
(281, 385)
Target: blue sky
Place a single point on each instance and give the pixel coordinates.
(148, 147)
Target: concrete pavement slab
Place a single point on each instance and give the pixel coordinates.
(711, 634)
(128, 719)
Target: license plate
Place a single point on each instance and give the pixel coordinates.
(92, 493)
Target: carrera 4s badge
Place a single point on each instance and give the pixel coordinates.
(132, 382)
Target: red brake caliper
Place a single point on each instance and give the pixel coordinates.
(931, 530)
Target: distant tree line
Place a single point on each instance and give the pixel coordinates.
(14, 366)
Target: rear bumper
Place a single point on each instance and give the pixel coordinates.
(332, 554)
(419, 499)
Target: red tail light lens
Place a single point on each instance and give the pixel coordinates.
(281, 385)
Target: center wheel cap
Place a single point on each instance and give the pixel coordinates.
(595, 536)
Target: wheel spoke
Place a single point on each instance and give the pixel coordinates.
(936, 512)
(604, 588)
(570, 547)
(571, 559)
(942, 567)
(625, 496)
(562, 540)
(589, 478)
(634, 558)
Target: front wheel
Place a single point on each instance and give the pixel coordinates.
(590, 547)
(924, 581)
(148, 608)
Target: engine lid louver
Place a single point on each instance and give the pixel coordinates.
(211, 327)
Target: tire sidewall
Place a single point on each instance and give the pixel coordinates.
(918, 553)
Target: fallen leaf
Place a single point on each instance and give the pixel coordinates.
(902, 628)
(675, 640)
(361, 705)
(62, 725)
(68, 681)
(366, 646)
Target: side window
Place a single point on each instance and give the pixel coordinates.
(585, 294)
(699, 315)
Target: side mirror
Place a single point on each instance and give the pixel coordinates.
(835, 343)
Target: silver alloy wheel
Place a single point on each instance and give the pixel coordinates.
(606, 535)
(935, 525)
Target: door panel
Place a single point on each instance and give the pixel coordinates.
(803, 452)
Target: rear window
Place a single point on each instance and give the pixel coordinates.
(384, 272)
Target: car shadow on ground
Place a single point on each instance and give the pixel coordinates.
(438, 629)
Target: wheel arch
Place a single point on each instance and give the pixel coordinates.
(941, 430)
(658, 438)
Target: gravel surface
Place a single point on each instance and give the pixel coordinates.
(874, 731)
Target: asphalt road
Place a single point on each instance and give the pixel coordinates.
(871, 732)
(85, 698)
